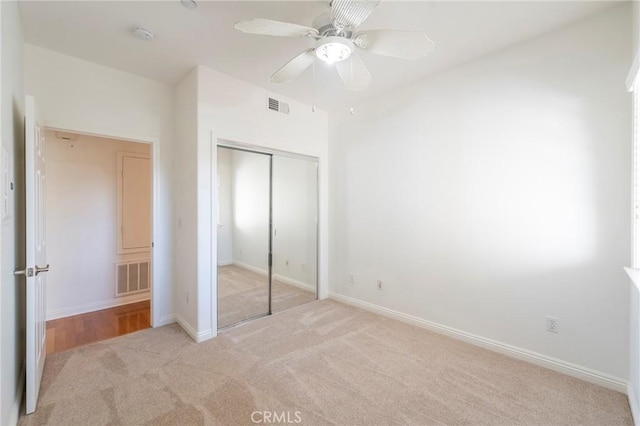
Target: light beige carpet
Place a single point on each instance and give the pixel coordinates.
(325, 362)
(243, 294)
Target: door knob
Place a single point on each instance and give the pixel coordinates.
(30, 272)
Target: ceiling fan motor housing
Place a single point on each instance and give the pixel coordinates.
(325, 27)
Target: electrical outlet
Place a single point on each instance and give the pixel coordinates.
(351, 279)
(553, 325)
(302, 266)
(379, 285)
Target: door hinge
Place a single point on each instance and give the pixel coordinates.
(270, 259)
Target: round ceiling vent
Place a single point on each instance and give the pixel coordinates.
(189, 4)
(142, 33)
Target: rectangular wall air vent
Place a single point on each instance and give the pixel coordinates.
(276, 105)
(132, 277)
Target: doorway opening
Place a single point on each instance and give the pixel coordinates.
(267, 239)
(98, 226)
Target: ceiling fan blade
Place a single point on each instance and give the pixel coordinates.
(397, 44)
(354, 73)
(294, 67)
(348, 14)
(275, 28)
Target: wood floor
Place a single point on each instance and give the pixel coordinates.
(78, 330)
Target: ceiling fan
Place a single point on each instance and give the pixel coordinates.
(336, 41)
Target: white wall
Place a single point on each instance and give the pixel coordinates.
(634, 295)
(185, 190)
(634, 351)
(12, 295)
(74, 94)
(224, 107)
(82, 223)
(636, 27)
(497, 193)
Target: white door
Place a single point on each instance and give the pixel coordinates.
(35, 181)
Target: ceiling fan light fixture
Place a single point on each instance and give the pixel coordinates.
(333, 49)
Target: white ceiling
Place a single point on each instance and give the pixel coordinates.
(101, 32)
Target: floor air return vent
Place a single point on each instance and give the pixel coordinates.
(132, 277)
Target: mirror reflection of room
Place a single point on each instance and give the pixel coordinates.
(295, 252)
(254, 190)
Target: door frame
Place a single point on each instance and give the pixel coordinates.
(154, 317)
(257, 149)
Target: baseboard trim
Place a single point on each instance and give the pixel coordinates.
(295, 283)
(570, 369)
(278, 277)
(17, 402)
(633, 405)
(166, 320)
(198, 337)
(251, 268)
(225, 263)
(91, 307)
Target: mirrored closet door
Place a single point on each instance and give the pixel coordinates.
(295, 232)
(267, 233)
(244, 216)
